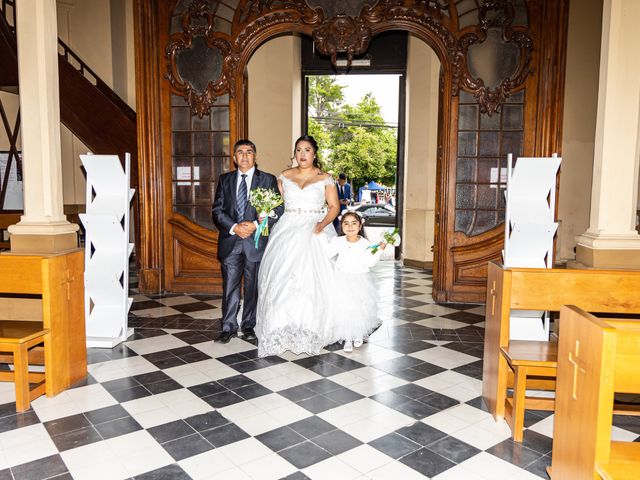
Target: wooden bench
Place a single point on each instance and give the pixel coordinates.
(596, 359)
(55, 285)
(18, 338)
(613, 291)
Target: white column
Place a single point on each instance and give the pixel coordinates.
(36, 31)
(611, 240)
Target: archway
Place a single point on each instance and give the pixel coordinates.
(501, 92)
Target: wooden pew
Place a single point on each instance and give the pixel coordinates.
(59, 280)
(596, 358)
(533, 364)
(19, 338)
(612, 291)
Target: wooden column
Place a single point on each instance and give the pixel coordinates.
(150, 189)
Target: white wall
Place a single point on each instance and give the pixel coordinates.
(423, 69)
(274, 73)
(578, 136)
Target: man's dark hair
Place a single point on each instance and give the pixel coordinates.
(342, 176)
(244, 142)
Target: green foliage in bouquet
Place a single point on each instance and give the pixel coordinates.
(390, 237)
(264, 201)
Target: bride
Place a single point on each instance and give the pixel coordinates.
(295, 286)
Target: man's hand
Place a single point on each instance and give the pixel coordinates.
(244, 229)
(344, 201)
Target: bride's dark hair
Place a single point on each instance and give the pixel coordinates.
(314, 145)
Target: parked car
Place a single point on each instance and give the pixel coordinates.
(377, 214)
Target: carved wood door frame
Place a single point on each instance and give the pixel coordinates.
(177, 254)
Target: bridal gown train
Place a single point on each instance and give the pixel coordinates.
(295, 281)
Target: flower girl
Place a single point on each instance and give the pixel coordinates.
(358, 313)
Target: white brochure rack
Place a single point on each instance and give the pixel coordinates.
(529, 230)
(107, 249)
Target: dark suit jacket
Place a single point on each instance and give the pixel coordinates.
(224, 214)
(346, 196)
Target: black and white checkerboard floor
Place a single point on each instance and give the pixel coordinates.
(172, 404)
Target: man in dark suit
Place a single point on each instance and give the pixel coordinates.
(237, 222)
(344, 195)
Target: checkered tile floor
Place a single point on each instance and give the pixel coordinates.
(172, 404)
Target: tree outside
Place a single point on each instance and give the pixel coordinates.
(353, 139)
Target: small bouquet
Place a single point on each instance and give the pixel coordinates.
(264, 201)
(391, 237)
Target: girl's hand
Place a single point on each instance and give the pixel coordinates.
(382, 245)
(317, 229)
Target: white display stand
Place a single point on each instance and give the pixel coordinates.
(529, 230)
(107, 249)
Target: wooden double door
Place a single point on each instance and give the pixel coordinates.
(501, 92)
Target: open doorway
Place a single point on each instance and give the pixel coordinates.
(278, 78)
(355, 119)
(357, 111)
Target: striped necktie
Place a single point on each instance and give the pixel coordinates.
(241, 198)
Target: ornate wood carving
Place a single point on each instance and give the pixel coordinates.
(342, 34)
(194, 265)
(470, 261)
(192, 26)
(493, 14)
(254, 9)
(187, 252)
(297, 13)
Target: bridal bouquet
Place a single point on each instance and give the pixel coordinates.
(391, 237)
(264, 201)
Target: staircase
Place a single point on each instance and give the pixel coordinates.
(91, 110)
(88, 107)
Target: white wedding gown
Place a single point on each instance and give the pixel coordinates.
(295, 283)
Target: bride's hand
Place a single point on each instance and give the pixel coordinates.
(318, 228)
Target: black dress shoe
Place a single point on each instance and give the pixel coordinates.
(226, 336)
(248, 334)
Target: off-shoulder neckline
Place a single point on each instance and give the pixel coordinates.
(324, 179)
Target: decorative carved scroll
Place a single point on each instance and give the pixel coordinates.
(342, 34)
(496, 15)
(348, 35)
(259, 16)
(198, 91)
(254, 9)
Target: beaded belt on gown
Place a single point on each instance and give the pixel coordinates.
(304, 210)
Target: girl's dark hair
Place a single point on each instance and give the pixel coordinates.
(358, 217)
(314, 145)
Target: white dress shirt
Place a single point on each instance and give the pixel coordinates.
(249, 173)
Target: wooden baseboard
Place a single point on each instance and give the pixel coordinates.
(417, 264)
